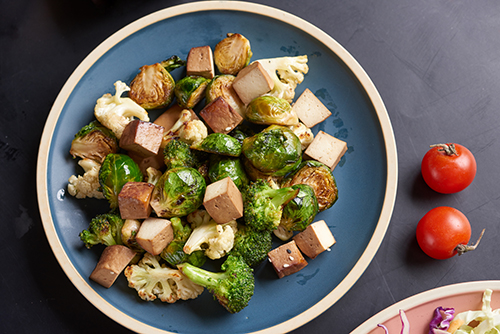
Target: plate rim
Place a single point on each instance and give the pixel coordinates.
(287, 18)
(425, 297)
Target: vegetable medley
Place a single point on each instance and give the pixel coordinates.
(229, 166)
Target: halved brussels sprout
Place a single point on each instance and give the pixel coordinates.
(219, 143)
(190, 90)
(300, 211)
(222, 86)
(116, 170)
(221, 167)
(179, 192)
(241, 132)
(153, 87)
(267, 109)
(320, 178)
(232, 54)
(94, 141)
(274, 151)
(178, 154)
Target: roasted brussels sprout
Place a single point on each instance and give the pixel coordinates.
(222, 86)
(232, 54)
(267, 110)
(219, 143)
(190, 90)
(221, 167)
(153, 87)
(274, 151)
(179, 192)
(178, 154)
(300, 211)
(116, 170)
(320, 178)
(174, 253)
(94, 141)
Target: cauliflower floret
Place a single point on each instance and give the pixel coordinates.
(187, 128)
(152, 281)
(115, 112)
(193, 132)
(214, 239)
(287, 73)
(304, 133)
(88, 184)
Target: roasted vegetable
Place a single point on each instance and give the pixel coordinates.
(116, 170)
(179, 192)
(153, 87)
(103, 229)
(178, 154)
(233, 287)
(219, 143)
(190, 90)
(154, 280)
(222, 166)
(241, 132)
(252, 245)
(128, 234)
(263, 205)
(320, 178)
(232, 54)
(274, 151)
(299, 212)
(94, 141)
(222, 86)
(86, 185)
(268, 110)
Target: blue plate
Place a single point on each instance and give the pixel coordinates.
(366, 175)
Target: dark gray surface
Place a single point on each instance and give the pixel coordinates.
(436, 65)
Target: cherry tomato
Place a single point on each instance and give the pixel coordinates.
(448, 168)
(444, 232)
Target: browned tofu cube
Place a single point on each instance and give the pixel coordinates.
(287, 259)
(223, 201)
(155, 234)
(133, 200)
(315, 239)
(327, 149)
(143, 138)
(111, 263)
(200, 62)
(310, 109)
(220, 116)
(251, 82)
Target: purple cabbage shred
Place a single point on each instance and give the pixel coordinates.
(441, 320)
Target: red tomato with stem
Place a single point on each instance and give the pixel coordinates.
(444, 232)
(448, 168)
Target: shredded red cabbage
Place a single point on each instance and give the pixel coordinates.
(441, 320)
(404, 322)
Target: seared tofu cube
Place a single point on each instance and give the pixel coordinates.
(310, 109)
(327, 149)
(315, 239)
(133, 200)
(287, 259)
(200, 62)
(111, 263)
(156, 161)
(223, 201)
(251, 82)
(155, 234)
(220, 116)
(143, 138)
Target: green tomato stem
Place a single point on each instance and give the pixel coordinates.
(449, 149)
(465, 248)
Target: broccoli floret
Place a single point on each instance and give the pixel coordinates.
(252, 245)
(153, 280)
(174, 253)
(263, 205)
(233, 287)
(103, 229)
(178, 154)
(287, 73)
(214, 239)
